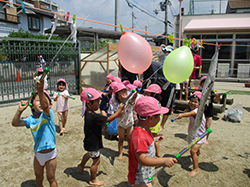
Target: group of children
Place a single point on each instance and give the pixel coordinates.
(137, 117)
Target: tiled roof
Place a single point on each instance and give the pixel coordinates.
(239, 3)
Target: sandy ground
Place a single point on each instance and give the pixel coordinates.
(225, 162)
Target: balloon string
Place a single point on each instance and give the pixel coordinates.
(144, 82)
(123, 27)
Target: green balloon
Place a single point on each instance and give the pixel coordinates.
(178, 65)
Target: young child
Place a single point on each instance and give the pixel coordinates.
(195, 150)
(93, 123)
(154, 90)
(137, 83)
(42, 127)
(126, 121)
(209, 109)
(39, 74)
(106, 95)
(62, 105)
(141, 146)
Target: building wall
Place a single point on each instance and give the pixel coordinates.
(233, 56)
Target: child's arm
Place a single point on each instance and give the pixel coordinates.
(187, 114)
(16, 121)
(145, 160)
(44, 102)
(55, 98)
(116, 114)
(216, 97)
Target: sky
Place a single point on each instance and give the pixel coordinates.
(104, 11)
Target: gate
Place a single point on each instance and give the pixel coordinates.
(19, 60)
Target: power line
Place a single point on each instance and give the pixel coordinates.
(133, 5)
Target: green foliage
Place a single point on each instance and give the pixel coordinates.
(101, 44)
(21, 34)
(30, 49)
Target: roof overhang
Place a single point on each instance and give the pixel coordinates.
(64, 31)
(218, 24)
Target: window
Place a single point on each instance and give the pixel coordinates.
(34, 23)
(225, 36)
(208, 52)
(242, 36)
(225, 51)
(242, 52)
(208, 37)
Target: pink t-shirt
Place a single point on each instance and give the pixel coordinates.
(197, 62)
(200, 130)
(61, 103)
(141, 141)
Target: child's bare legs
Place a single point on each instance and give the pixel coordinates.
(163, 121)
(85, 159)
(129, 132)
(50, 172)
(186, 91)
(208, 124)
(64, 119)
(181, 90)
(93, 171)
(39, 171)
(60, 118)
(144, 185)
(194, 150)
(121, 134)
(157, 146)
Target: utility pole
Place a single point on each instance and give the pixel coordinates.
(116, 13)
(133, 17)
(180, 24)
(146, 29)
(166, 21)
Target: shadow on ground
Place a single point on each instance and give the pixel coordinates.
(29, 183)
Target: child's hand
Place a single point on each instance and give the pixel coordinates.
(179, 116)
(169, 162)
(121, 106)
(39, 85)
(158, 138)
(22, 106)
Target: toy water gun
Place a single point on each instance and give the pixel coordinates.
(67, 96)
(129, 96)
(208, 131)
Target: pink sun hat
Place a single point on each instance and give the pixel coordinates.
(61, 80)
(40, 70)
(126, 82)
(110, 77)
(149, 106)
(130, 86)
(117, 79)
(197, 94)
(113, 84)
(90, 94)
(119, 86)
(153, 88)
(137, 83)
(202, 78)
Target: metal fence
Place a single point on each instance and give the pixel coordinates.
(19, 60)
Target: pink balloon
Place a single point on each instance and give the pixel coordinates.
(134, 52)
